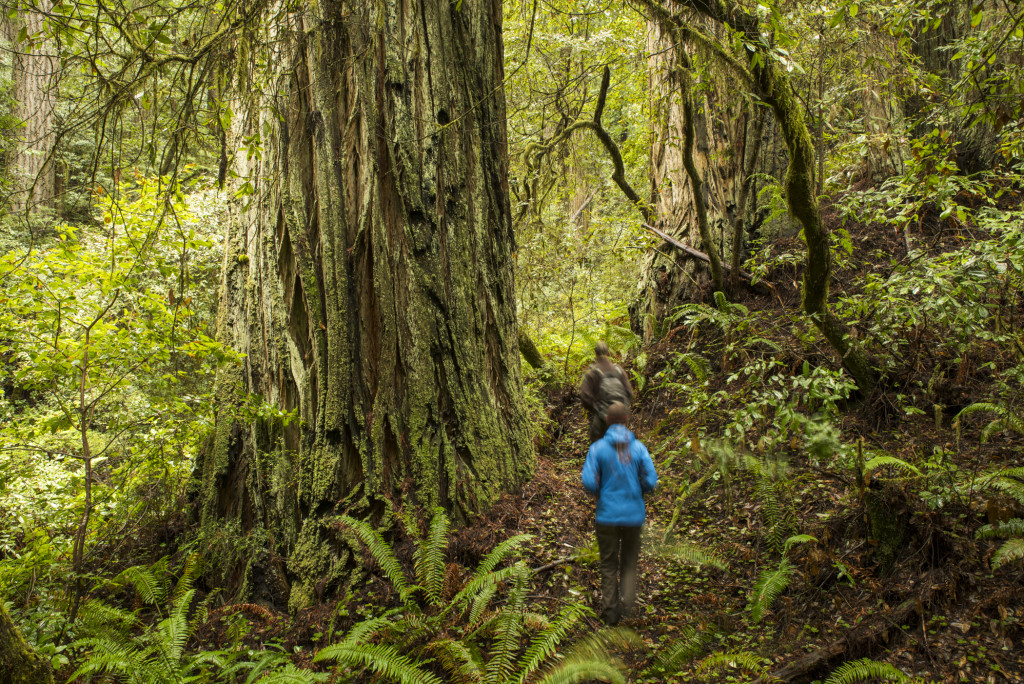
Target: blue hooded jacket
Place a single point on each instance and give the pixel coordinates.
(620, 486)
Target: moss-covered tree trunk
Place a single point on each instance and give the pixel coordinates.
(18, 663)
(369, 283)
(34, 80)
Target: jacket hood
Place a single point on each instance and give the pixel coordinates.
(618, 434)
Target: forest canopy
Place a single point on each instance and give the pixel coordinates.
(296, 300)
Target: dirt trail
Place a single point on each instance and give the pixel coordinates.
(946, 619)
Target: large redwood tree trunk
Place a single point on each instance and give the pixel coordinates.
(369, 283)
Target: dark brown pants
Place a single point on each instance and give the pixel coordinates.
(620, 548)
(597, 427)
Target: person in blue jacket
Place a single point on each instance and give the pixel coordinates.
(619, 471)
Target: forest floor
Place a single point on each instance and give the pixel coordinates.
(937, 613)
(924, 598)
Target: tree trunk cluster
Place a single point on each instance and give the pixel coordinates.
(718, 123)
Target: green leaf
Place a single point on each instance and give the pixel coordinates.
(798, 539)
(769, 586)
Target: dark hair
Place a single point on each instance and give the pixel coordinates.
(617, 414)
(601, 349)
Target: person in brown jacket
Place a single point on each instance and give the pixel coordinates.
(604, 384)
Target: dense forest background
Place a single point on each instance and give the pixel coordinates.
(296, 296)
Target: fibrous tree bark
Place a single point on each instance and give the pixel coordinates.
(696, 137)
(34, 75)
(369, 283)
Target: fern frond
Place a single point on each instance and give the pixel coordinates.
(866, 670)
(429, 557)
(498, 554)
(589, 658)
(480, 603)
(215, 658)
(381, 552)
(575, 671)
(382, 659)
(267, 661)
(743, 660)
(779, 517)
(997, 425)
(543, 645)
(1008, 552)
(474, 587)
(1001, 530)
(145, 583)
(364, 629)
(109, 655)
(487, 627)
(509, 628)
(193, 568)
(294, 675)
(597, 645)
(797, 539)
(97, 615)
(769, 586)
(886, 460)
(1005, 420)
(771, 344)
(1007, 485)
(690, 644)
(459, 660)
(700, 366)
(694, 554)
(978, 407)
(174, 629)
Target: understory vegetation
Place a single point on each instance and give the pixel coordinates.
(813, 522)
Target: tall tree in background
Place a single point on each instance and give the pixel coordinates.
(718, 141)
(34, 78)
(763, 74)
(369, 282)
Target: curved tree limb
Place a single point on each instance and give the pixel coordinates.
(536, 151)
